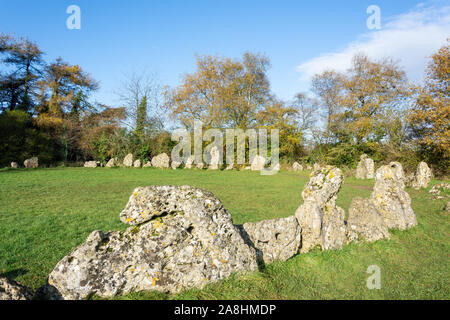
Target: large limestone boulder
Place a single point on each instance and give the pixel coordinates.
(258, 163)
(90, 164)
(112, 163)
(422, 176)
(321, 220)
(276, 239)
(128, 160)
(137, 163)
(365, 168)
(215, 158)
(191, 243)
(391, 199)
(297, 166)
(14, 165)
(31, 163)
(12, 290)
(365, 222)
(161, 161)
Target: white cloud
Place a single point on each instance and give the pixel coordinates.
(410, 38)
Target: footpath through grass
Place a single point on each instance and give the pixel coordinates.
(46, 213)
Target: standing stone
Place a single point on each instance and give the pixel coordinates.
(215, 158)
(308, 167)
(365, 168)
(189, 162)
(391, 199)
(31, 163)
(321, 220)
(276, 239)
(447, 207)
(12, 290)
(297, 167)
(14, 165)
(192, 243)
(200, 165)
(137, 163)
(90, 164)
(316, 167)
(422, 176)
(161, 161)
(111, 163)
(258, 163)
(147, 165)
(175, 164)
(365, 222)
(128, 160)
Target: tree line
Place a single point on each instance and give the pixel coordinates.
(46, 110)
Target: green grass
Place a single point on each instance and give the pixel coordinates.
(46, 213)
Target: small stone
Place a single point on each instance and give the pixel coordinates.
(175, 164)
(128, 160)
(161, 161)
(14, 165)
(12, 290)
(90, 164)
(111, 163)
(258, 163)
(137, 163)
(365, 168)
(31, 163)
(297, 167)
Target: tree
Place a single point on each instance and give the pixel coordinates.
(222, 92)
(430, 114)
(371, 90)
(328, 88)
(141, 117)
(24, 59)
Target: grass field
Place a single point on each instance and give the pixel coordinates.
(46, 213)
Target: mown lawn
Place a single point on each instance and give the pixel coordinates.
(46, 213)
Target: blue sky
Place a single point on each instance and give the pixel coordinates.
(300, 37)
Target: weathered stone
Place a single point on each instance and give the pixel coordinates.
(297, 167)
(390, 198)
(447, 207)
(316, 167)
(258, 163)
(308, 167)
(365, 222)
(31, 163)
(189, 162)
(422, 176)
(14, 165)
(215, 158)
(12, 290)
(321, 221)
(147, 165)
(175, 164)
(192, 243)
(161, 161)
(276, 239)
(90, 164)
(200, 166)
(437, 188)
(112, 163)
(365, 168)
(230, 166)
(137, 163)
(128, 160)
